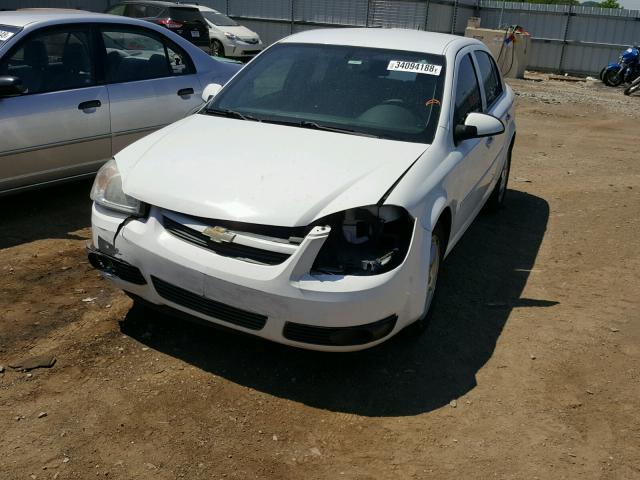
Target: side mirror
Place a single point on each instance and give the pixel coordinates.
(210, 91)
(478, 125)
(10, 86)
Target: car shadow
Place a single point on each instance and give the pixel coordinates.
(481, 283)
(51, 212)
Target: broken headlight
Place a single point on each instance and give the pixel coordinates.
(364, 241)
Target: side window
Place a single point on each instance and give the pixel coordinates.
(117, 10)
(136, 11)
(179, 60)
(489, 76)
(467, 91)
(53, 60)
(142, 55)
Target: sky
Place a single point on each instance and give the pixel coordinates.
(630, 4)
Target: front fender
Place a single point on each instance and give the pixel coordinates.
(432, 208)
(612, 67)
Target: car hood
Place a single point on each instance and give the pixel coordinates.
(239, 30)
(260, 173)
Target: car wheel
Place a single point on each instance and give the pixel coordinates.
(436, 256)
(496, 199)
(217, 50)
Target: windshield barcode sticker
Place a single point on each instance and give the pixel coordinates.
(4, 35)
(414, 67)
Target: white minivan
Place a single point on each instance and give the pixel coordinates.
(228, 38)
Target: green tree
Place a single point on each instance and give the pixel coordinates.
(610, 4)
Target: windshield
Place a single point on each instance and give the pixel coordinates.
(6, 32)
(219, 19)
(385, 93)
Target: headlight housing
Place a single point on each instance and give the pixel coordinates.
(230, 36)
(107, 191)
(367, 240)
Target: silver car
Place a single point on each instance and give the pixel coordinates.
(77, 87)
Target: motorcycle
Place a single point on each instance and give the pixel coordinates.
(625, 71)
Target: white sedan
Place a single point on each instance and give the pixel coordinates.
(314, 198)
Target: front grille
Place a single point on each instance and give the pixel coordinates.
(206, 306)
(250, 41)
(340, 336)
(251, 52)
(234, 250)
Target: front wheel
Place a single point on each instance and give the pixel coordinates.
(217, 50)
(613, 78)
(436, 256)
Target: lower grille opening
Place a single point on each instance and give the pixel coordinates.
(206, 306)
(117, 268)
(340, 336)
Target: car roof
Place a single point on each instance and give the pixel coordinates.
(387, 38)
(159, 3)
(202, 8)
(25, 16)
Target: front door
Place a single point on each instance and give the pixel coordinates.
(59, 127)
(151, 81)
(470, 154)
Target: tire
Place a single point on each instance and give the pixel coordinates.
(612, 78)
(634, 87)
(216, 48)
(436, 257)
(496, 200)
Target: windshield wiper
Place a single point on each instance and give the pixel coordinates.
(318, 126)
(326, 128)
(231, 114)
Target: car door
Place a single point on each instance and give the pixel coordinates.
(151, 82)
(497, 104)
(59, 127)
(471, 167)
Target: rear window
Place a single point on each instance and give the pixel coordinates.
(6, 32)
(185, 14)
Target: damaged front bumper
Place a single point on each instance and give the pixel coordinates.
(282, 302)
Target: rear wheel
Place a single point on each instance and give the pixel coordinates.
(436, 256)
(496, 201)
(634, 87)
(217, 50)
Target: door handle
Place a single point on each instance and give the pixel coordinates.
(508, 117)
(489, 141)
(185, 91)
(90, 104)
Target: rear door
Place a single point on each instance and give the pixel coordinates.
(151, 82)
(59, 127)
(497, 104)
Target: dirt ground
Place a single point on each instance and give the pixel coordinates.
(531, 368)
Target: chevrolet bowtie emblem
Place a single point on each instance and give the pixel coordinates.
(219, 234)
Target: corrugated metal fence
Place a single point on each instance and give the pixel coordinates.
(565, 38)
